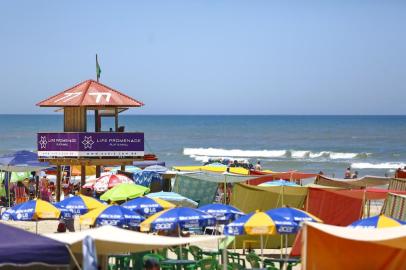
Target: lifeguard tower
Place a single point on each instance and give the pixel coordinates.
(75, 145)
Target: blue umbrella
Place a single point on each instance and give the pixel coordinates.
(380, 221)
(114, 215)
(32, 210)
(147, 206)
(292, 214)
(22, 248)
(222, 212)
(79, 205)
(181, 218)
(278, 183)
(173, 197)
(21, 161)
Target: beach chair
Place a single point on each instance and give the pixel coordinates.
(196, 252)
(181, 253)
(255, 262)
(159, 259)
(207, 264)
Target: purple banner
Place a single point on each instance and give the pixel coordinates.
(90, 144)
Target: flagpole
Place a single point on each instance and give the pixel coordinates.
(97, 66)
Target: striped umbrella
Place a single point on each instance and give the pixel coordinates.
(114, 215)
(380, 221)
(147, 206)
(79, 205)
(109, 181)
(177, 218)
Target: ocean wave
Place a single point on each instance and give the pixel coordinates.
(203, 154)
(384, 165)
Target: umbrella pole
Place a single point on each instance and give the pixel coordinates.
(286, 246)
(262, 250)
(225, 189)
(36, 226)
(180, 255)
(225, 261)
(281, 246)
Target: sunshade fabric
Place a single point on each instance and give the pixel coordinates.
(250, 198)
(215, 169)
(222, 212)
(366, 181)
(218, 177)
(19, 247)
(397, 184)
(196, 189)
(332, 247)
(113, 240)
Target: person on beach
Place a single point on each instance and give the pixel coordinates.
(44, 190)
(355, 175)
(258, 166)
(21, 193)
(347, 174)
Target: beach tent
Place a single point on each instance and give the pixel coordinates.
(366, 181)
(294, 176)
(332, 247)
(202, 186)
(113, 240)
(174, 198)
(21, 248)
(250, 198)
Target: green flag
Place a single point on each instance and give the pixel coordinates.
(98, 70)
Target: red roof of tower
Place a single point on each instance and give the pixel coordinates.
(90, 94)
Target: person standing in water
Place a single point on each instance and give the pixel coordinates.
(348, 174)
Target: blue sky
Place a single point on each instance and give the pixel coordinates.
(210, 57)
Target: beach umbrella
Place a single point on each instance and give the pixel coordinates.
(114, 215)
(32, 211)
(21, 161)
(177, 218)
(278, 183)
(259, 223)
(147, 206)
(380, 221)
(109, 181)
(174, 198)
(294, 215)
(130, 169)
(156, 168)
(79, 205)
(123, 192)
(222, 212)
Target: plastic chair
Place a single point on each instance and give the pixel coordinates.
(207, 264)
(158, 258)
(255, 262)
(196, 252)
(184, 255)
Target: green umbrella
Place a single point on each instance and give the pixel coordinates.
(124, 192)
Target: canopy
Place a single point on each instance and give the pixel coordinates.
(19, 247)
(334, 248)
(124, 192)
(21, 161)
(366, 181)
(90, 94)
(156, 168)
(113, 240)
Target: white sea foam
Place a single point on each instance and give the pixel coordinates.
(203, 154)
(384, 165)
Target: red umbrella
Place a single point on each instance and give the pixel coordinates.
(108, 181)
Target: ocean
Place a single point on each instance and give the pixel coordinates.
(372, 145)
